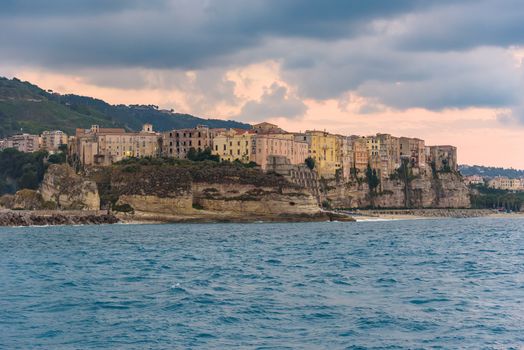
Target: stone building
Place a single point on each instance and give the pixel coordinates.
(443, 157)
(360, 155)
(413, 149)
(176, 143)
(389, 150)
(104, 146)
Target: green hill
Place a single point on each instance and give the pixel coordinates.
(24, 106)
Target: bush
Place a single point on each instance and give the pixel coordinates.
(123, 208)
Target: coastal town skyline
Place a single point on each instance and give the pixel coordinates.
(347, 68)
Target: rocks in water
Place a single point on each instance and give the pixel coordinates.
(23, 218)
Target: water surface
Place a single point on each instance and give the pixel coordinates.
(456, 283)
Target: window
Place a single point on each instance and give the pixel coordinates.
(216, 148)
(224, 147)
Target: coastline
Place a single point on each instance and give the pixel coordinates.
(26, 218)
(421, 214)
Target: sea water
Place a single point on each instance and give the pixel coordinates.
(443, 284)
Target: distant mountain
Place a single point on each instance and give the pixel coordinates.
(27, 107)
(485, 171)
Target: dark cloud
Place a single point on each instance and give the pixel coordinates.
(275, 102)
(464, 25)
(173, 34)
(402, 54)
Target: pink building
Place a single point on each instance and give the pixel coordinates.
(266, 145)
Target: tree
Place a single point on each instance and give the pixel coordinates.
(310, 162)
(372, 179)
(199, 156)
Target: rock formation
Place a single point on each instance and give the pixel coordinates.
(69, 191)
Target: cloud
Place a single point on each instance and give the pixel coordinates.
(399, 54)
(173, 34)
(276, 102)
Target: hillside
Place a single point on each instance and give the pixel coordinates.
(486, 171)
(27, 107)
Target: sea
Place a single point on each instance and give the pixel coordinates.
(404, 284)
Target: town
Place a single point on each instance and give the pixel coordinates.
(265, 145)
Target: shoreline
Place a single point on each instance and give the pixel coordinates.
(421, 214)
(42, 218)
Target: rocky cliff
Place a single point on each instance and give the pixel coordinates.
(440, 190)
(69, 191)
(213, 192)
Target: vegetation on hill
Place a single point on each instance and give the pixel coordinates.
(26, 107)
(491, 198)
(19, 170)
(486, 171)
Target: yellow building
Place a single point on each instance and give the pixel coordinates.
(234, 144)
(373, 146)
(324, 148)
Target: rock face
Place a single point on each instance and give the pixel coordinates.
(222, 194)
(443, 190)
(28, 200)
(61, 185)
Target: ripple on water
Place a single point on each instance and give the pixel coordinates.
(435, 284)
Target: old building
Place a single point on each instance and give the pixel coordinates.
(234, 144)
(23, 142)
(504, 183)
(443, 158)
(324, 149)
(413, 150)
(474, 180)
(389, 150)
(374, 159)
(104, 146)
(359, 146)
(176, 143)
(266, 145)
(51, 140)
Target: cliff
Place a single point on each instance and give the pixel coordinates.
(440, 190)
(69, 191)
(207, 191)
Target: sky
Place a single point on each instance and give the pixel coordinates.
(449, 72)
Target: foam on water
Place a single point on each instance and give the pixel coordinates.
(451, 283)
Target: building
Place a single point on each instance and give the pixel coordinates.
(234, 144)
(267, 128)
(359, 146)
(51, 140)
(389, 150)
(474, 180)
(177, 143)
(346, 156)
(283, 145)
(504, 183)
(443, 158)
(374, 159)
(414, 150)
(104, 146)
(23, 142)
(324, 149)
